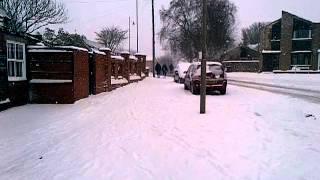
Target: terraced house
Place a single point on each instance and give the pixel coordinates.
(290, 43)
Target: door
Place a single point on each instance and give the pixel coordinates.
(3, 77)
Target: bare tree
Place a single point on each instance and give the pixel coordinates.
(181, 30)
(27, 16)
(111, 37)
(251, 35)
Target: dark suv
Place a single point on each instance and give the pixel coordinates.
(216, 78)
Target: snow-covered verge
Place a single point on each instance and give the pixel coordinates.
(301, 81)
(135, 77)
(153, 130)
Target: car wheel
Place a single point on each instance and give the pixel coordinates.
(224, 90)
(194, 90)
(185, 87)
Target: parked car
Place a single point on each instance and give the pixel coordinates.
(180, 72)
(216, 78)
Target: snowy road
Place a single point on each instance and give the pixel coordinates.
(152, 130)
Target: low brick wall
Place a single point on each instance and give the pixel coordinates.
(242, 66)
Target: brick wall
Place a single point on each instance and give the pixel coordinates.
(286, 41)
(100, 73)
(81, 74)
(315, 45)
(126, 66)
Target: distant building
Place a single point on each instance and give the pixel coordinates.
(290, 43)
(241, 59)
(240, 53)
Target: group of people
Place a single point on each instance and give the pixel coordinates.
(164, 70)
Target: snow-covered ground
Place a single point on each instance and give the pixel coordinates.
(302, 81)
(153, 130)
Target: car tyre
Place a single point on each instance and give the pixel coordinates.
(194, 90)
(185, 87)
(224, 90)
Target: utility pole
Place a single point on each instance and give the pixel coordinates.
(153, 41)
(129, 34)
(203, 88)
(137, 20)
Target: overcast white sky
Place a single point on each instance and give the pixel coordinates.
(89, 16)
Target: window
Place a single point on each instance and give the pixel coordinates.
(16, 61)
(301, 59)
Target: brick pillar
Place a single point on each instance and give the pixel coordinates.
(286, 41)
(139, 64)
(108, 67)
(315, 45)
(144, 65)
(126, 65)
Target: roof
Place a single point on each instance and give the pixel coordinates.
(58, 47)
(93, 44)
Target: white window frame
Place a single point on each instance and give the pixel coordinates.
(24, 76)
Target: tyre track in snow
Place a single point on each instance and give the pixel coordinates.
(309, 95)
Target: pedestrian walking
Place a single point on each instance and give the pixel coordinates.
(164, 70)
(158, 69)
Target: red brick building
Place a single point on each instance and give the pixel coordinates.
(58, 75)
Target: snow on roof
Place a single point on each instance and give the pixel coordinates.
(104, 49)
(73, 47)
(270, 52)
(117, 58)
(124, 52)
(58, 47)
(139, 54)
(295, 52)
(134, 58)
(98, 52)
(48, 50)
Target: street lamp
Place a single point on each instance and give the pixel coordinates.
(130, 32)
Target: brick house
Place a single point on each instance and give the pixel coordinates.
(290, 43)
(13, 66)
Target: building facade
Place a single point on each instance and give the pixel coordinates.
(290, 43)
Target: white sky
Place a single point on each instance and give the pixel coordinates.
(89, 16)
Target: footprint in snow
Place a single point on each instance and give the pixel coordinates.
(257, 114)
